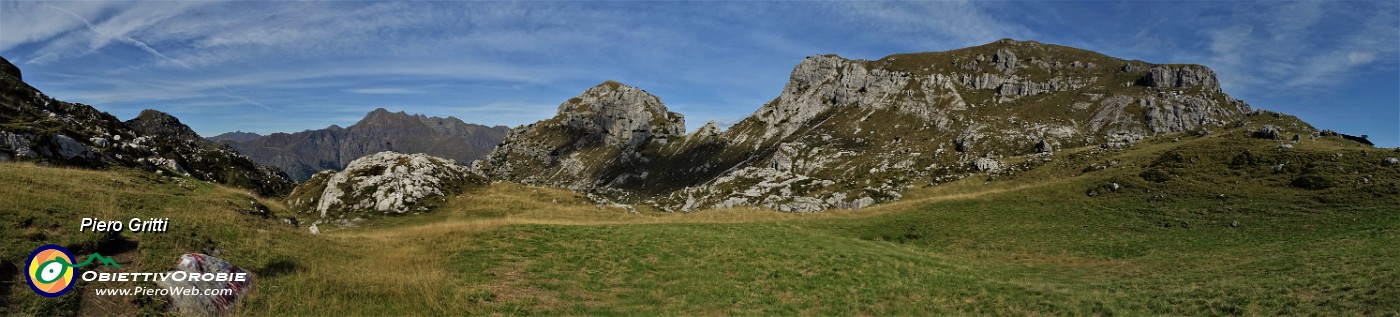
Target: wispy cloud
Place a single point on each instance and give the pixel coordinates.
(1291, 49)
(963, 23)
(383, 91)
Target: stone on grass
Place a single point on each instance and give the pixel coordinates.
(200, 304)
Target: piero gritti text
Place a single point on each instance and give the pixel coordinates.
(133, 225)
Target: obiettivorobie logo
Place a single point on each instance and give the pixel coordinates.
(50, 270)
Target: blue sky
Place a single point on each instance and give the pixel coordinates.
(291, 66)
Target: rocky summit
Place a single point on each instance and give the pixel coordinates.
(608, 126)
(304, 153)
(35, 127)
(381, 183)
(849, 133)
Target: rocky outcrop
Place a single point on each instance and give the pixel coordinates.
(1180, 76)
(305, 153)
(40, 128)
(617, 114)
(1268, 131)
(585, 144)
(382, 183)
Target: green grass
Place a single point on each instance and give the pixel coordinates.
(1031, 243)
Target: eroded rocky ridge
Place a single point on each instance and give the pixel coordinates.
(35, 127)
(849, 133)
(305, 153)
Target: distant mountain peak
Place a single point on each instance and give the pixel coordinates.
(235, 136)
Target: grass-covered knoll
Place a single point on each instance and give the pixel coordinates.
(1032, 242)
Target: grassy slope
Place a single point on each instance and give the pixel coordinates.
(1029, 244)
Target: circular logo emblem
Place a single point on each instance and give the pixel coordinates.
(50, 270)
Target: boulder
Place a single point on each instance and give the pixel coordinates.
(1268, 131)
(206, 305)
(1390, 161)
(18, 144)
(987, 164)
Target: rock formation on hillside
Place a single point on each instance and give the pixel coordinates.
(34, 127)
(304, 153)
(382, 183)
(849, 133)
(606, 126)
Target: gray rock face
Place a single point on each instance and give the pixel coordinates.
(382, 183)
(621, 115)
(821, 83)
(1004, 60)
(68, 148)
(1181, 76)
(585, 144)
(208, 267)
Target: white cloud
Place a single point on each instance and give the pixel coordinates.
(1359, 58)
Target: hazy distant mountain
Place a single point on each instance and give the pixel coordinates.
(238, 136)
(304, 153)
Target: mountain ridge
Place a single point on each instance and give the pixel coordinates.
(850, 133)
(302, 154)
